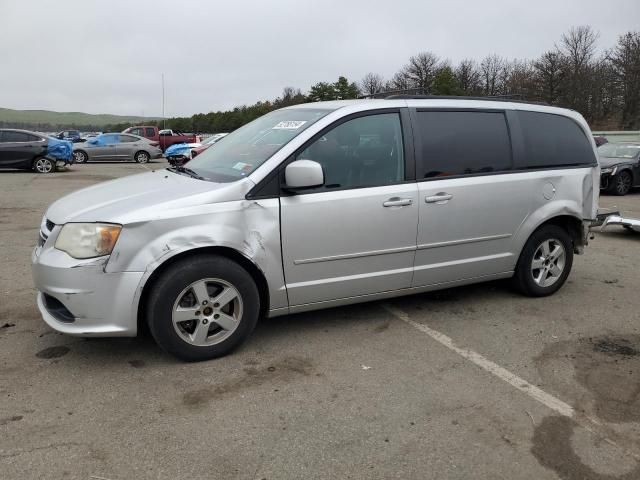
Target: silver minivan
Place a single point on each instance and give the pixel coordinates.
(319, 205)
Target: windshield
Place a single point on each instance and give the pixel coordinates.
(612, 150)
(242, 151)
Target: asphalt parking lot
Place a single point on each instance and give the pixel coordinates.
(472, 382)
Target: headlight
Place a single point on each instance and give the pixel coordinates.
(611, 170)
(88, 240)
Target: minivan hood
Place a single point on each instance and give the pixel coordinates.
(119, 200)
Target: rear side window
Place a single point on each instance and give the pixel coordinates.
(128, 139)
(553, 141)
(149, 132)
(462, 143)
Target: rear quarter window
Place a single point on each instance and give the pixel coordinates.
(553, 141)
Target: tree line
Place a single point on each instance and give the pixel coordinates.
(604, 86)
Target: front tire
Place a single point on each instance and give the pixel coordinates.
(202, 308)
(545, 262)
(141, 157)
(80, 156)
(44, 165)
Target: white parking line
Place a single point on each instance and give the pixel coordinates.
(588, 423)
(521, 384)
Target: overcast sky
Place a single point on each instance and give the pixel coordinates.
(108, 56)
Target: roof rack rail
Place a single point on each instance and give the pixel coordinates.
(411, 94)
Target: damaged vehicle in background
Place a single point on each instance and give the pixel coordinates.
(322, 205)
(22, 149)
(620, 167)
(181, 153)
(118, 147)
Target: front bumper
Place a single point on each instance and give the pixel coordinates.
(92, 302)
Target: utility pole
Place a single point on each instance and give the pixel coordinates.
(164, 121)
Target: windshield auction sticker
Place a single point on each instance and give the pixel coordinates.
(290, 125)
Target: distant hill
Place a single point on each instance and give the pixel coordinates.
(40, 119)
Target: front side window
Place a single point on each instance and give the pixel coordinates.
(105, 139)
(462, 143)
(136, 131)
(362, 152)
(248, 147)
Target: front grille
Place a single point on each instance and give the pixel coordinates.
(57, 309)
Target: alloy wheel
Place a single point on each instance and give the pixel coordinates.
(548, 262)
(142, 157)
(44, 165)
(623, 183)
(207, 312)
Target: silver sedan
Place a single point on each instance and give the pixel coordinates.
(116, 147)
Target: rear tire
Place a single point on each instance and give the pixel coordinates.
(142, 157)
(44, 165)
(202, 307)
(545, 262)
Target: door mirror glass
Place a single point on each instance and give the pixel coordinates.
(303, 174)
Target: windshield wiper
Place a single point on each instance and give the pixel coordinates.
(187, 170)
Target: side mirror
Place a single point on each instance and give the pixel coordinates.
(303, 174)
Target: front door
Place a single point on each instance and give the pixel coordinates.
(355, 235)
(105, 147)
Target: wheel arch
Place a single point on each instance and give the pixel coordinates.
(256, 273)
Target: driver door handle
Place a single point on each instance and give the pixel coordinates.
(439, 198)
(397, 202)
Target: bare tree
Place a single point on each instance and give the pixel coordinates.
(625, 62)
(548, 72)
(492, 69)
(520, 79)
(290, 96)
(577, 48)
(469, 77)
(372, 83)
(421, 70)
(399, 81)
